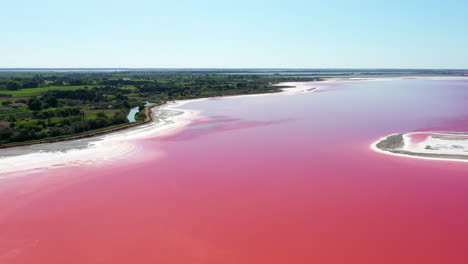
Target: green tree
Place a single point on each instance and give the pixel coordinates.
(13, 85)
(34, 104)
(51, 101)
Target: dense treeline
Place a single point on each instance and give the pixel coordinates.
(62, 113)
(40, 129)
(58, 112)
(96, 94)
(14, 85)
(204, 86)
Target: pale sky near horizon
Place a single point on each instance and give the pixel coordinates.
(234, 34)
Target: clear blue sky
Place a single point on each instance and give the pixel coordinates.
(240, 33)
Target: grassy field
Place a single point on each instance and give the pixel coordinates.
(20, 113)
(37, 91)
(92, 114)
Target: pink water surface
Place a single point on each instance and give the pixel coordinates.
(271, 179)
(419, 138)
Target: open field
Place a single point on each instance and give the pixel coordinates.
(38, 91)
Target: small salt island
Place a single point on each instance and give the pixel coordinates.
(426, 145)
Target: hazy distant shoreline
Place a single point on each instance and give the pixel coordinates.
(318, 72)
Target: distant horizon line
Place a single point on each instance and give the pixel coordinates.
(220, 68)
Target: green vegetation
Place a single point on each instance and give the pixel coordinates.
(47, 105)
(37, 91)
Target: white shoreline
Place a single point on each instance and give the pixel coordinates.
(168, 118)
